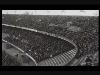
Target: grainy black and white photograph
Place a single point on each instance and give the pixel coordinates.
(50, 37)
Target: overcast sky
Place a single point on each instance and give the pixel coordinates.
(54, 12)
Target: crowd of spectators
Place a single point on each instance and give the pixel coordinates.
(90, 60)
(38, 45)
(87, 36)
